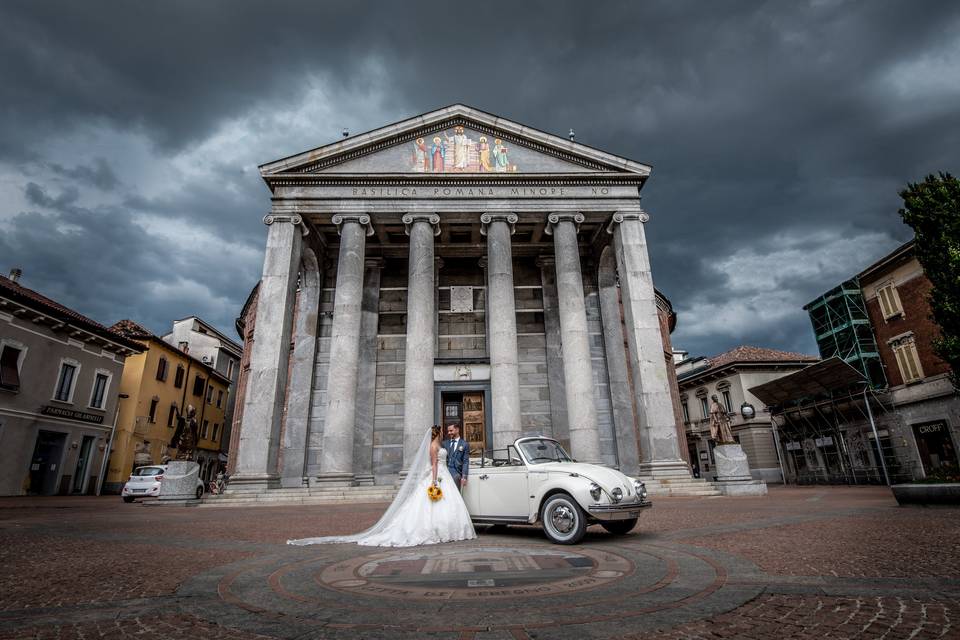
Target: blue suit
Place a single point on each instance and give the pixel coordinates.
(458, 459)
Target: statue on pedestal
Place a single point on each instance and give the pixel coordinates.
(185, 437)
(720, 423)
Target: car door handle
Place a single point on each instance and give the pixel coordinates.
(484, 477)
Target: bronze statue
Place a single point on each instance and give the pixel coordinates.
(185, 437)
(720, 423)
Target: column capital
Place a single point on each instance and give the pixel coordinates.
(373, 263)
(622, 216)
(431, 218)
(362, 219)
(294, 219)
(556, 218)
(488, 218)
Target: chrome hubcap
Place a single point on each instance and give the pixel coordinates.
(563, 518)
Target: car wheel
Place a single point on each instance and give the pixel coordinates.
(619, 527)
(563, 520)
(199, 493)
(128, 498)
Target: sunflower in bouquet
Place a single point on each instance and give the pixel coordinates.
(434, 492)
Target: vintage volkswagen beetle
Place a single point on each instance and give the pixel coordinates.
(534, 480)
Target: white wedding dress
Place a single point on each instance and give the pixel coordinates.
(412, 518)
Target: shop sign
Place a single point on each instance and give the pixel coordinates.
(61, 412)
(824, 442)
(923, 429)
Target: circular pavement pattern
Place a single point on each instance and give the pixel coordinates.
(493, 585)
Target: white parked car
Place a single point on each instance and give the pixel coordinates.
(534, 480)
(145, 482)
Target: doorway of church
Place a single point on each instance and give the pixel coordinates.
(467, 410)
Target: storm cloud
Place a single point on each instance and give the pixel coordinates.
(779, 134)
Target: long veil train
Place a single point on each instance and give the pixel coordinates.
(417, 473)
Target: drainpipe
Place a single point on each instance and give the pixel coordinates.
(106, 453)
(876, 436)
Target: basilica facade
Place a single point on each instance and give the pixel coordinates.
(460, 268)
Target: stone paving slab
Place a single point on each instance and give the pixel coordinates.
(798, 563)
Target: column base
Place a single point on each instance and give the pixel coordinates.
(334, 479)
(665, 469)
(293, 482)
(364, 480)
(252, 483)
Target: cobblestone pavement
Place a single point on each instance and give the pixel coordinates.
(798, 563)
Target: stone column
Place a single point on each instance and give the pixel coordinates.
(577, 368)
(258, 448)
(293, 444)
(659, 448)
(336, 453)
(621, 391)
(421, 332)
(551, 327)
(502, 329)
(367, 374)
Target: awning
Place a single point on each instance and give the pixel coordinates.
(823, 378)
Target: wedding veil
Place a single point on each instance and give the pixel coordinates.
(417, 472)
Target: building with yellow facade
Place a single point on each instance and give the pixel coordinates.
(156, 386)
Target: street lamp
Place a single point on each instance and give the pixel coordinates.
(747, 411)
(106, 454)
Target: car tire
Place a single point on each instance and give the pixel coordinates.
(199, 492)
(563, 520)
(128, 499)
(619, 527)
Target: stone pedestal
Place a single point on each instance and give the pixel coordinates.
(180, 480)
(733, 472)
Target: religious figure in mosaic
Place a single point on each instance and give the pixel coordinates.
(438, 154)
(484, 148)
(500, 160)
(461, 148)
(720, 423)
(420, 162)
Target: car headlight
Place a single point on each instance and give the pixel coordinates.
(617, 494)
(594, 491)
(641, 489)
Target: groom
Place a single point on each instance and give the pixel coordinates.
(458, 456)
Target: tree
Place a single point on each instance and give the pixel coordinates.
(932, 208)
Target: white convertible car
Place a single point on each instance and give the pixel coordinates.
(534, 480)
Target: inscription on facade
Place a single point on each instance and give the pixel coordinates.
(480, 192)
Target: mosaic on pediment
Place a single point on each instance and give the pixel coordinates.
(457, 149)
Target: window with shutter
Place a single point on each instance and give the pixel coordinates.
(10, 368)
(198, 385)
(908, 360)
(162, 369)
(889, 301)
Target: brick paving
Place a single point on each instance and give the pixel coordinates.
(798, 563)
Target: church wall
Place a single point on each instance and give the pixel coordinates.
(531, 350)
(391, 350)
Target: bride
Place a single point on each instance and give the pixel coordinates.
(413, 518)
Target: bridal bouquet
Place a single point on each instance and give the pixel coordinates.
(434, 492)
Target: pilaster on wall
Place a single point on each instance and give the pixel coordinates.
(258, 447)
(659, 445)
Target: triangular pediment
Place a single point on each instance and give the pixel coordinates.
(454, 140)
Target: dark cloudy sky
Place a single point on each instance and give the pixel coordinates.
(779, 133)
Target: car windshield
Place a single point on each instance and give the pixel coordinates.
(540, 451)
(148, 471)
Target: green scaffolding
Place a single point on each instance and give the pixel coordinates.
(842, 328)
